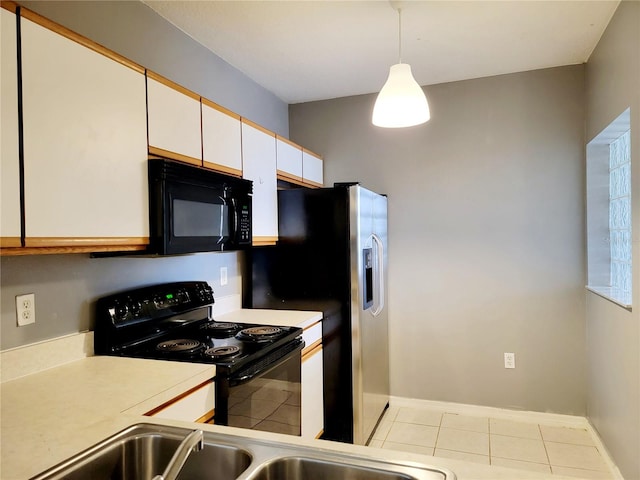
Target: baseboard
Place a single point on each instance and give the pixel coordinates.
(493, 412)
(604, 451)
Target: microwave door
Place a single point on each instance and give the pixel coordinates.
(196, 222)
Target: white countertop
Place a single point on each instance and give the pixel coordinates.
(51, 415)
(279, 318)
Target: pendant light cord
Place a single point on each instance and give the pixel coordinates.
(399, 35)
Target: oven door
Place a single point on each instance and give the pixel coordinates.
(263, 397)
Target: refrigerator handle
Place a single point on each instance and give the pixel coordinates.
(378, 289)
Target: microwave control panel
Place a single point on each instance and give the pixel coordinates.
(245, 224)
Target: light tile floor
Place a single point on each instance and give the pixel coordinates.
(492, 441)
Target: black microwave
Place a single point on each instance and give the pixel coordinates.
(192, 209)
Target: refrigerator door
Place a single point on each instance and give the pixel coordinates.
(369, 319)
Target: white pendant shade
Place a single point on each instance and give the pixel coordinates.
(401, 102)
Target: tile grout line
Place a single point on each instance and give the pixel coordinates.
(546, 452)
(438, 433)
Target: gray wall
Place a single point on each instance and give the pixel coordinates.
(613, 333)
(133, 30)
(486, 228)
(66, 285)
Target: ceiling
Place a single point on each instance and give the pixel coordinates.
(317, 49)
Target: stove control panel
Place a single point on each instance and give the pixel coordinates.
(154, 302)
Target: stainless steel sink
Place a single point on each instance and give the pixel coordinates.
(143, 451)
(302, 468)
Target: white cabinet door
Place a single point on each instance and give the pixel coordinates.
(85, 152)
(312, 166)
(289, 159)
(221, 139)
(10, 230)
(174, 121)
(312, 383)
(259, 165)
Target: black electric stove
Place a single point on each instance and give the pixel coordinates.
(258, 367)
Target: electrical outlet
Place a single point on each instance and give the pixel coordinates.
(509, 360)
(26, 309)
(223, 275)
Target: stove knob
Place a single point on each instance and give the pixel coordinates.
(135, 307)
(121, 311)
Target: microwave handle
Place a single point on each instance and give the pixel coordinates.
(235, 216)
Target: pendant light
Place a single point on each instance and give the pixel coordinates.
(401, 102)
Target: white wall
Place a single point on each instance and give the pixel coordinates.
(613, 333)
(486, 228)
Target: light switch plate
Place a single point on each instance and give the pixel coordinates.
(509, 360)
(223, 276)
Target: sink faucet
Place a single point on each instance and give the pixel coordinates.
(194, 442)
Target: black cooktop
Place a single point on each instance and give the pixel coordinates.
(229, 345)
(173, 322)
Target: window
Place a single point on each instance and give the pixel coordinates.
(609, 212)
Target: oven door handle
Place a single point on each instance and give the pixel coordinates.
(252, 372)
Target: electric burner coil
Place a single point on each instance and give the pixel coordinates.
(182, 345)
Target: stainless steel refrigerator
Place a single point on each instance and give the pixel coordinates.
(332, 256)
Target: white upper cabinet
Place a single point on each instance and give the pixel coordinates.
(221, 139)
(85, 151)
(289, 160)
(174, 121)
(259, 165)
(298, 165)
(10, 230)
(312, 168)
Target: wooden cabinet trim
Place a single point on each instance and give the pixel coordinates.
(305, 150)
(288, 177)
(312, 184)
(10, 242)
(257, 127)
(13, 252)
(84, 241)
(261, 241)
(168, 403)
(311, 350)
(207, 417)
(173, 85)
(84, 41)
(222, 169)
(309, 327)
(155, 151)
(286, 140)
(220, 108)
(11, 6)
